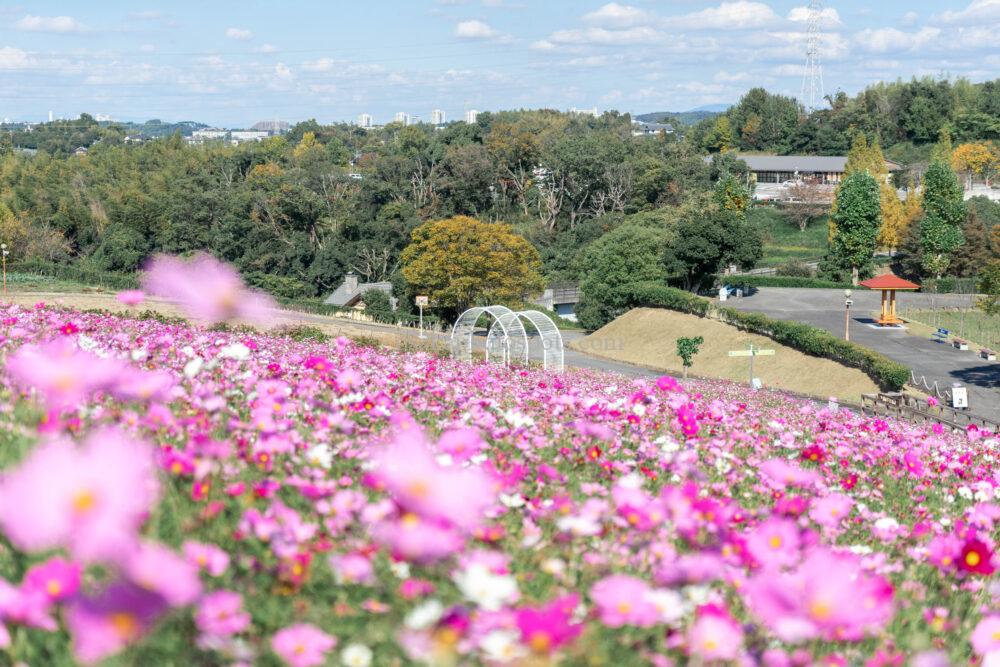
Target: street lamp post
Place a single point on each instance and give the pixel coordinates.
(847, 314)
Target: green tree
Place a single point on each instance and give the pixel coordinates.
(857, 221)
(686, 349)
(989, 286)
(460, 262)
(720, 138)
(704, 243)
(378, 306)
(628, 254)
(731, 195)
(944, 213)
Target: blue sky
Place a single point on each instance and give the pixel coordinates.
(233, 63)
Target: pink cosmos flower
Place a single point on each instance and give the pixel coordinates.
(715, 635)
(986, 637)
(57, 579)
(829, 511)
(302, 645)
(774, 543)
(409, 537)
(352, 569)
(547, 628)
(207, 289)
(221, 614)
(828, 596)
(207, 557)
(104, 625)
(156, 568)
(409, 471)
(624, 600)
(63, 495)
(61, 372)
(132, 297)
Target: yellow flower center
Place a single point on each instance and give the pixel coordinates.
(820, 610)
(972, 559)
(624, 607)
(540, 642)
(775, 542)
(418, 489)
(53, 587)
(83, 502)
(125, 624)
(410, 520)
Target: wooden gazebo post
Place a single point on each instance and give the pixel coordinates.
(889, 284)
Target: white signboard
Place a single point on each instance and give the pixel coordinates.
(959, 397)
(421, 301)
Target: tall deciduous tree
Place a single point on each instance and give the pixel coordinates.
(858, 218)
(944, 212)
(461, 261)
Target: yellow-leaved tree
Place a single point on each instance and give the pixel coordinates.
(975, 159)
(461, 262)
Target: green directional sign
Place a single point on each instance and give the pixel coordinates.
(751, 352)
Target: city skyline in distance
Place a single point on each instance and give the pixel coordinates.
(229, 67)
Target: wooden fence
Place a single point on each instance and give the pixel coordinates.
(915, 409)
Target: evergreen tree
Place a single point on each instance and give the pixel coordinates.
(857, 219)
(944, 212)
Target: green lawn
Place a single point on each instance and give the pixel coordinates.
(973, 325)
(30, 282)
(783, 242)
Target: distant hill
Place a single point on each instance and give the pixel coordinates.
(690, 117)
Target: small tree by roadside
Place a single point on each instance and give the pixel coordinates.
(686, 349)
(989, 286)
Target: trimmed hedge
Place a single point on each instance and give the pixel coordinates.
(783, 281)
(654, 295)
(949, 285)
(78, 274)
(887, 374)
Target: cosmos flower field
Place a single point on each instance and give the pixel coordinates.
(175, 495)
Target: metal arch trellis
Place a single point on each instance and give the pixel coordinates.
(511, 335)
(548, 334)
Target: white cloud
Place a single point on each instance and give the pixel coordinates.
(267, 48)
(737, 15)
(60, 24)
(475, 30)
(614, 15)
(283, 71)
(238, 33)
(828, 17)
(641, 35)
(978, 11)
(909, 19)
(884, 40)
(14, 59)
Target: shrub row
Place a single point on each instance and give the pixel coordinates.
(782, 281)
(76, 273)
(654, 295)
(950, 285)
(886, 373)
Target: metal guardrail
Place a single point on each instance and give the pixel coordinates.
(913, 409)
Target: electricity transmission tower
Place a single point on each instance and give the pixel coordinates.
(812, 81)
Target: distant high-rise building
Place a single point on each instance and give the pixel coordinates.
(584, 112)
(471, 116)
(365, 120)
(400, 117)
(437, 117)
(412, 119)
(50, 116)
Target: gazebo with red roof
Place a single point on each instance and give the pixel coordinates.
(889, 284)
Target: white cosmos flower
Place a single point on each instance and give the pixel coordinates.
(356, 655)
(488, 590)
(237, 351)
(320, 455)
(669, 604)
(193, 367)
(424, 615)
(501, 646)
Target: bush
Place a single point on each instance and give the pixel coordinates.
(78, 274)
(887, 374)
(795, 269)
(279, 286)
(653, 295)
(378, 306)
(950, 285)
(302, 332)
(787, 281)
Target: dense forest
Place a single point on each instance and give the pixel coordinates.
(295, 213)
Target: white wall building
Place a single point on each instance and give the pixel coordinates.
(365, 120)
(400, 117)
(437, 117)
(471, 116)
(584, 112)
(239, 136)
(209, 134)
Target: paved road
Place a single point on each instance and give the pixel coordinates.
(936, 361)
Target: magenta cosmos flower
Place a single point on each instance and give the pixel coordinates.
(90, 499)
(206, 289)
(715, 635)
(104, 625)
(774, 543)
(61, 372)
(302, 645)
(986, 637)
(624, 600)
